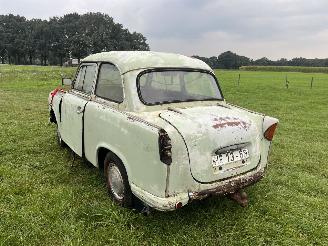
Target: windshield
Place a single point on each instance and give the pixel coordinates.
(158, 87)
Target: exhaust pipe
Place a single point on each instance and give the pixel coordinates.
(240, 197)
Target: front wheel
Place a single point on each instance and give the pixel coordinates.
(117, 181)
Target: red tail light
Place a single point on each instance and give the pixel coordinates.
(164, 145)
(268, 134)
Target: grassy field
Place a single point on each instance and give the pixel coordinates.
(286, 69)
(45, 200)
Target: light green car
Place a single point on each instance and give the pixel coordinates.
(159, 127)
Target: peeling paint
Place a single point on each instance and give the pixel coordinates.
(223, 122)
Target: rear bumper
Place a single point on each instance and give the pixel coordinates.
(221, 188)
(160, 203)
(229, 186)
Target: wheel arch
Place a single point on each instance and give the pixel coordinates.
(102, 151)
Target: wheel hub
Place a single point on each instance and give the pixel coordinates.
(116, 182)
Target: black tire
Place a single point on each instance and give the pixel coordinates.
(60, 141)
(119, 191)
(87, 163)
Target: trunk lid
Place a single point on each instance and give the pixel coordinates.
(217, 130)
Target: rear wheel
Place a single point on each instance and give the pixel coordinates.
(117, 180)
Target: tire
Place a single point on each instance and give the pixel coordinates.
(87, 163)
(60, 141)
(117, 181)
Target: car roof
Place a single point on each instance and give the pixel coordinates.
(133, 60)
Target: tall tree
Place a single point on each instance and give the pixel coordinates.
(57, 42)
(60, 38)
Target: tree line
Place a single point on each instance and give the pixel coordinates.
(58, 39)
(230, 60)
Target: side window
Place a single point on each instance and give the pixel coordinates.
(89, 78)
(109, 84)
(78, 84)
(85, 78)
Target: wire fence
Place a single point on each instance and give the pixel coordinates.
(288, 80)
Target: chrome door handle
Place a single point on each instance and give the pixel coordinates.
(79, 110)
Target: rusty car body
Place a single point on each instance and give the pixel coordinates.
(160, 128)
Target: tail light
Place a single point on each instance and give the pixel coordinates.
(164, 145)
(268, 134)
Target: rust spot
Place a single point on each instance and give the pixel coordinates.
(230, 187)
(131, 118)
(223, 122)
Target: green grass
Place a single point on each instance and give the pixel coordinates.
(44, 200)
(286, 69)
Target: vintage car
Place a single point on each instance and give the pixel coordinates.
(159, 127)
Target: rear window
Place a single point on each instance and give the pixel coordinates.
(169, 86)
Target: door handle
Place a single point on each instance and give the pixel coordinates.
(79, 110)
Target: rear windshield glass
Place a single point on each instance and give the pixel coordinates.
(158, 87)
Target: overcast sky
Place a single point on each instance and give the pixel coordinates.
(254, 28)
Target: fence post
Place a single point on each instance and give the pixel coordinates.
(311, 82)
(287, 82)
(238, 79)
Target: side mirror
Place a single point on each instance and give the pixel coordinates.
(66, 81)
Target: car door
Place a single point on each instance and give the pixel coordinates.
(103, 125)
(73, 107)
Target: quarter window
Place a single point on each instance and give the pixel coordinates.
(109, 85)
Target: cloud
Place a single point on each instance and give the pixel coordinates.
(256, 28)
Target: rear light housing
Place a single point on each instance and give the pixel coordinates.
(268, 134)
(165, 147)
